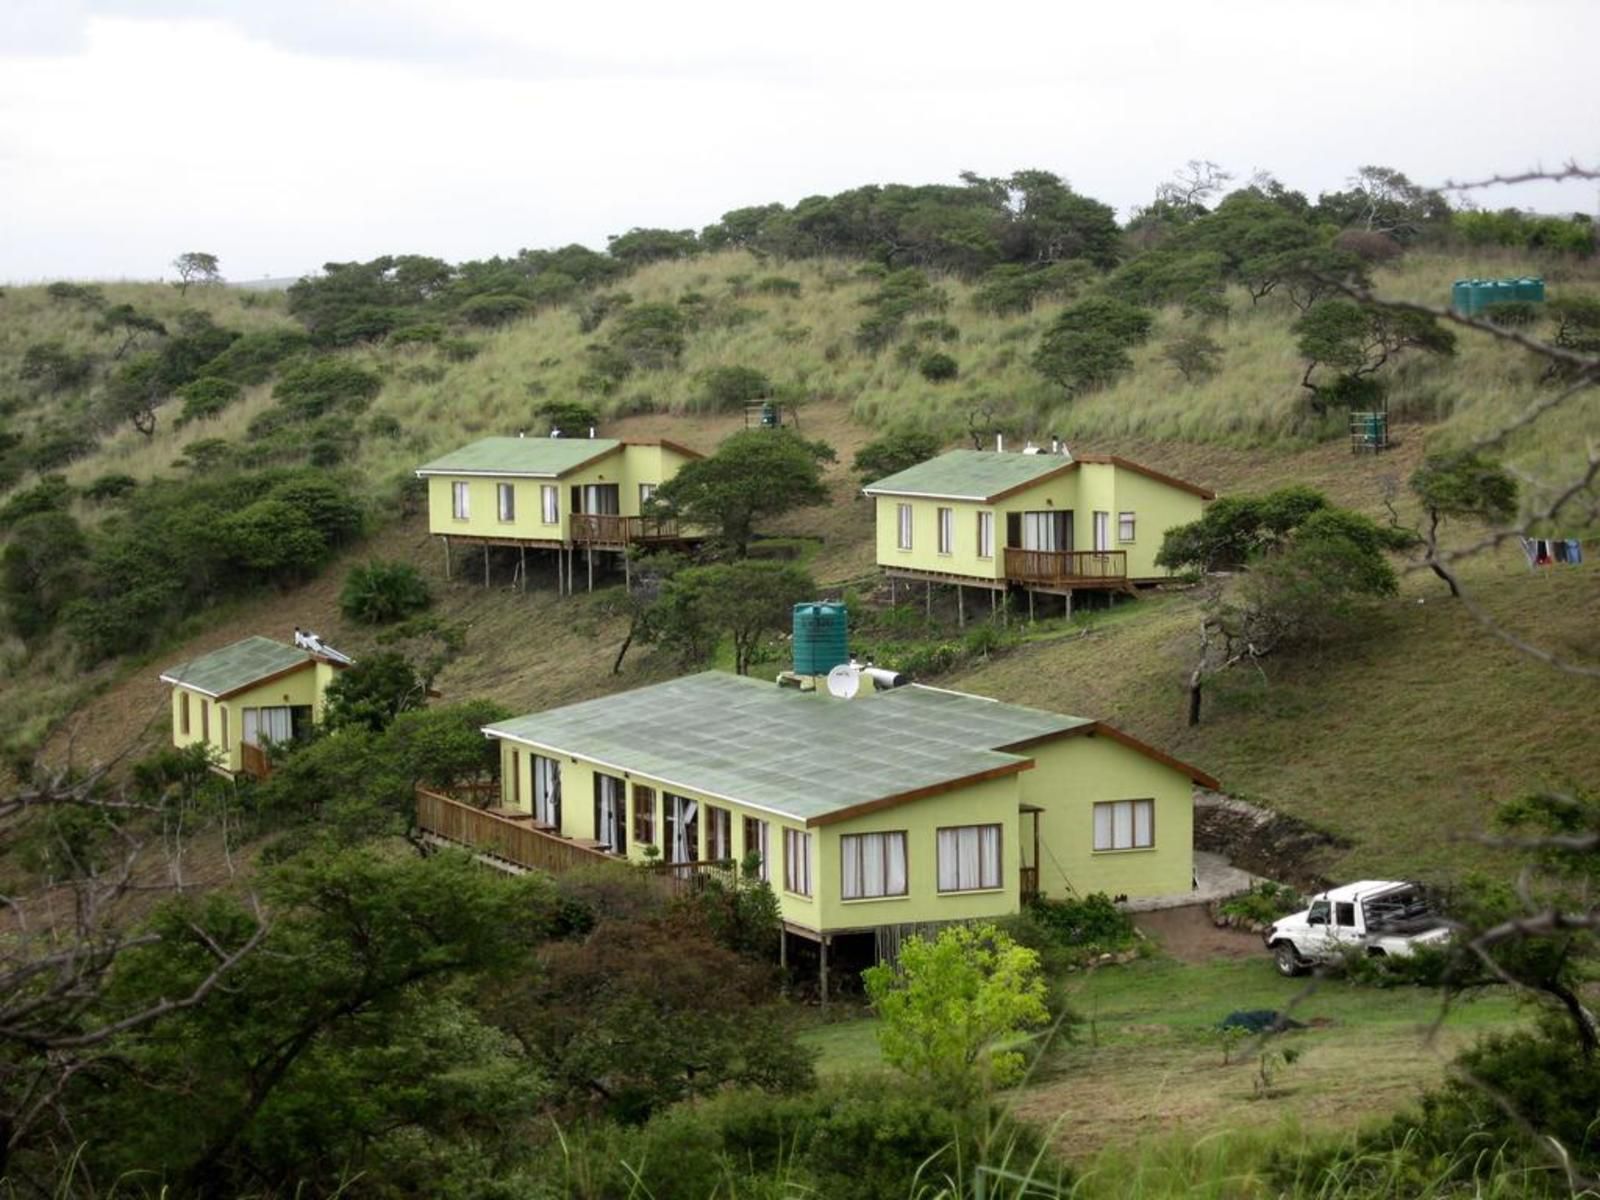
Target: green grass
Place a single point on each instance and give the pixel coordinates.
(1146, 1060)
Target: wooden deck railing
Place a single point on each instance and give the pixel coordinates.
(516, 842)
(1060, 567)
(253, 761)
(603, 529)
(693, 877)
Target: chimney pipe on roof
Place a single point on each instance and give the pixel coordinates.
(591, 431)
(999, 442)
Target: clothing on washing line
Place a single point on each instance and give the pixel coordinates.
(1542, 552)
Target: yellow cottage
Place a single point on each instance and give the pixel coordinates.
(559, 494)
(894, 808)
(243, 696)
(1041, 520)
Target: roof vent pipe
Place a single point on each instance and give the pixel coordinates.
(881, 677)
(1029, 448)
(999, 442)
(591, 431)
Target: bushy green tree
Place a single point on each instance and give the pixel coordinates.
(374, 691)
(1354, 341)
(1086, 347)
(894, 452)
(728, 389)
(205, 398)
(938, 367)
(40, 571)
(1461, 486)
(747, 601)
(649, 336)
(127, 323)
(376, 593)
(253, 357)
(955, 1008)
(753, 474)
(1194, 355)
(53, 367)
(640, 246)
(493, 310)
(196, 266)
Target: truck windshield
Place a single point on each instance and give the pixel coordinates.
(1318, 914)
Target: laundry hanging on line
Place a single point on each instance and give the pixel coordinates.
(1543, 552)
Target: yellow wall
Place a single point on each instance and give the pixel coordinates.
(1091, 487)
(628, 467)
(1070, 775)
(304, 687)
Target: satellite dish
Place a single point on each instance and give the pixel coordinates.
(844, 681)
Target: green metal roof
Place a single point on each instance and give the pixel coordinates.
(968, 474)
(231, 668)
(543, 457)
(792, 753)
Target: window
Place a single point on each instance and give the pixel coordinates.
(549, 504)
(1125, 825)
(222, 724)
(1344, 914)
(986, 535)
(683, 828)
(1318, 914)
(1125, 525)
(506, 493)
(874, 865)
(610, 813)
(183, 713)
(1102, 531)
(275, 723)
(719, 834)
(904, 535)
(546, 790)
(947, 529)
(205, 720)
(459, 507)
(514, 780)
(647, 492)
(755, 842)
(797, 862)
(969, 858)
(1045, 530)
(644, 815)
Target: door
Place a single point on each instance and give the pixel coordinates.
(609, 816)
(683, 829)
(1102, 532)
(1046, 530)
(1319, 936)
(602, 498)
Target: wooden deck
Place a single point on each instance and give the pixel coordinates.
(1068, 568)
(517, 842)
(603, 530)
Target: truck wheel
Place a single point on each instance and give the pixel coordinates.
(1287, 959)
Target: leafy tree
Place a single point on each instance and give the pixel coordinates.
(205, 398)
(40, 571)
(649, 336)
(112, 486)
(1355, 341)
(728, 389)
(314, 388)
(955, 1007)
(54, 367)
(195, 266)
(1464, 486)
(755, 473)
(640, 246)
(1235, 529)
(1577, 321)
(894, 452)
(85, 294)
(126, 322)
(253, 357)
(373, 692)
(1194, 355)
(376, 593)
(747, 600)
(51, 494)
(55, 448)
(569, 416)
(1384, 200)
(1086, 346)
(492, 310)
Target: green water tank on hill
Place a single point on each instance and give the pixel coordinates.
(820, 638)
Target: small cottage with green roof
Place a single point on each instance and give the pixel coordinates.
(560, 494)
(1041, 520)
(255, 691)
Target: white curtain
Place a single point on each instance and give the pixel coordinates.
(755, 841)
(1039, 531)
(904, 542)
(508, 501)
(949, 874)
(550, 504)
(850, 883)
(1143, 812)
(1102, 826)
(989, 856)
(985, 535)
(275, 725)
(610, 820)
(252, 724)
(600, 498)
(797, 861)
(683, 814)
(947, 529)
(547, 790)
(1122, 825)
(894, 880)
(969, 858)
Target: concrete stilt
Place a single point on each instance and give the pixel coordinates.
(822, 974)
(1030, 606)
(928, 599)
(486, 566)
(522, 565)
(446, 556)
(961, 607)
(588, 554)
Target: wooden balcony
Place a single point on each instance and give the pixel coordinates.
(253, 761)
(1067, 568)
(516, 842)
(602, 529)
(692, 878)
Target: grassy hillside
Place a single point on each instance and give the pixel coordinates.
(1412, 731)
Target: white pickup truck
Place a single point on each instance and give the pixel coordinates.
(1375, 917)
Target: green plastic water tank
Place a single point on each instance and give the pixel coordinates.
(1530, 289)
(820, 638)
(1461, 297)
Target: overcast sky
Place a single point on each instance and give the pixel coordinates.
(280, 134)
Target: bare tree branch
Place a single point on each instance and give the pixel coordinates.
(1537, 175)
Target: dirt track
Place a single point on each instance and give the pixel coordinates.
(1188, 935)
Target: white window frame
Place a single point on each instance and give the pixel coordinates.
(549, 504)
(546, 789)
(986, 535)
(647, 492)
(797, 862)
(903, 526)
(763, 840)
(1127, 523)
(872, 866)
(1124, 825)
(947, 530)
(506, 501)
(984, 845)
(1102, 531)
(460, 500)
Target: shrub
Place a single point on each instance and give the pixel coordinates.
(568, 416)
(110, 487)
(938, 329)
(1093, 921)
(650, 336)
(1264, 903)
(56, 448)
(778, 285)
(205, 398)
(427, 333)
(380, 592)
(460, 350)
(253, 357)
(938, 367)
(51, 494)
(726, 389)
(54, 367)
(1194, 355)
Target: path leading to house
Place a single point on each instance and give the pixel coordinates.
(1188, 935)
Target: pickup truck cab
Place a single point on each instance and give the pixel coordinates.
(1375, 917)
